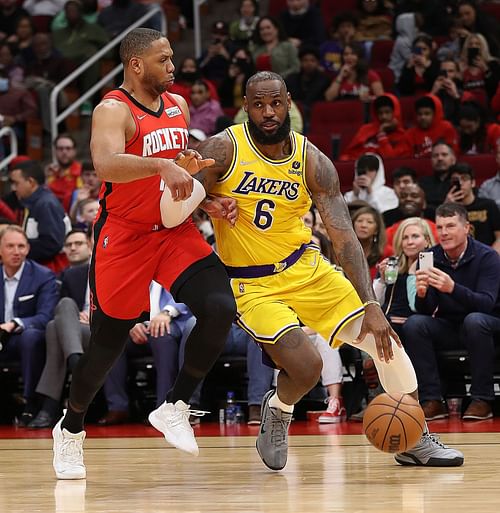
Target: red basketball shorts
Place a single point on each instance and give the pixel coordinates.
(127, 257)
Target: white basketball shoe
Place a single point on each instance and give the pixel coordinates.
(68, 453)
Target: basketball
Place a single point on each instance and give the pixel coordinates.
(393, 422)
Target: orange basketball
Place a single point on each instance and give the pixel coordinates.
(393, 422)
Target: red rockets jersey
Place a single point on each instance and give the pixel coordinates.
(161, 134)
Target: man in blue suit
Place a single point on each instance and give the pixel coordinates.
(28, 297)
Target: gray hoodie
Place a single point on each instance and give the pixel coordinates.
(407, 30)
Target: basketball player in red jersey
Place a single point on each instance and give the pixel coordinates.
(138, 131)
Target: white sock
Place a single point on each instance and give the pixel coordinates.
(276, 402)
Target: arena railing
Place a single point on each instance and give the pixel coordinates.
(8, 131)
(56, 118)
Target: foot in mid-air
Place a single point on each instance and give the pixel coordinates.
(173, 421)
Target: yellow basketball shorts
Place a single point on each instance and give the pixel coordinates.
(310, 290)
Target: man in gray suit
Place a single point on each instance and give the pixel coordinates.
(68, 334)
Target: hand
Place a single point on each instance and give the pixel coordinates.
(344, 72)
(160, 325)
(178, 180)
(480, 63)
(439, 84)
(295, 42)
(388, 127)
(381, 267)
(422, 282)
(364, 182)
(441, 281)
(52, 169)
(374, 322)
(139, 334)
(218, 207)
(356, 188)
(84, 317)
(192, 161)
(451, 88)
(8, 326)
(455, 195)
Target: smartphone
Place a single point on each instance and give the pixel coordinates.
(472, 53)
(443, 73)
(425, 260)
(455, 183)
(417, 50)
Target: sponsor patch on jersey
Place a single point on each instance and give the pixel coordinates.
(173, 111)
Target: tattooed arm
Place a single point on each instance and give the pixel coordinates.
(220, 148)
(323, 182)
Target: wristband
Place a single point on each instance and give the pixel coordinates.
(371, 302)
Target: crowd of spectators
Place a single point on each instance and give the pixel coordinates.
(425, 76)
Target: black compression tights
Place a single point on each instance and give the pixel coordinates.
(207, 294)
(210, 298)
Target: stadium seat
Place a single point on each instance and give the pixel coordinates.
(326, 114)
(330, 8)
(492, 8)
(408, 109)
(381, 53)
(387, 77)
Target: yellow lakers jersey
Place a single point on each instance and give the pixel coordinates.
(272, 197)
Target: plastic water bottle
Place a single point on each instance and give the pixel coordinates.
(231, 409)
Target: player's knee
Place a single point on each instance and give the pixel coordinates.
(310, 371)
(218, 307)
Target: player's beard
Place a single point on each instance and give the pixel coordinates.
(261, 137)
(154, 85)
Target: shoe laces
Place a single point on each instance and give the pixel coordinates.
(333, 404)
(279, 427)
(181, 417)
(72, 451)
(434, 439)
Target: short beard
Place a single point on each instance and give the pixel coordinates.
(261, 137)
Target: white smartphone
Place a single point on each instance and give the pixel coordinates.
(425, 260)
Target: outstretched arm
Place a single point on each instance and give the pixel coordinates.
(323, 182)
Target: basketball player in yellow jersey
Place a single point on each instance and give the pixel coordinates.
(278, 277)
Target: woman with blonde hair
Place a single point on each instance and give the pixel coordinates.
(395, 289)
(395, 285)
(480, 70)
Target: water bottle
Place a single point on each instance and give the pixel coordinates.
(231, 409)
(391, 271)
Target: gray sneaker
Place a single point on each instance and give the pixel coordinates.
(272, 442)
(430, 452)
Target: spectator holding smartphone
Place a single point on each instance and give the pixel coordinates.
(480, 71)
(483, 213)
(421, 70)
(448, 88)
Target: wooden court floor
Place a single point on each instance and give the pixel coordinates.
(325, 473)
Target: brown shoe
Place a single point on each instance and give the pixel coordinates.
(434, 410)
(254, 415)
(478, 410)
(114, 417)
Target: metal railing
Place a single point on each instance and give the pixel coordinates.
(6, 130)
(55, 118)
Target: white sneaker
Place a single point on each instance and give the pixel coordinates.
(173, 421)
(68, 453)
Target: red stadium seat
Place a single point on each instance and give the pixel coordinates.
(275, 7)
(387, 77)
(326, 114)
(330, 8)
(381, 53)
(491, 8)
(408, 109)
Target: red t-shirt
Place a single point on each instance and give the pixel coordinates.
(161, 134)
(352, 89)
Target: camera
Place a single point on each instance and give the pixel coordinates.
(443, 73)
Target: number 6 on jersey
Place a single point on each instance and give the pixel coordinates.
(263, 217)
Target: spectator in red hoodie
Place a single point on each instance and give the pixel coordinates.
(385, 135)
(430, 127)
